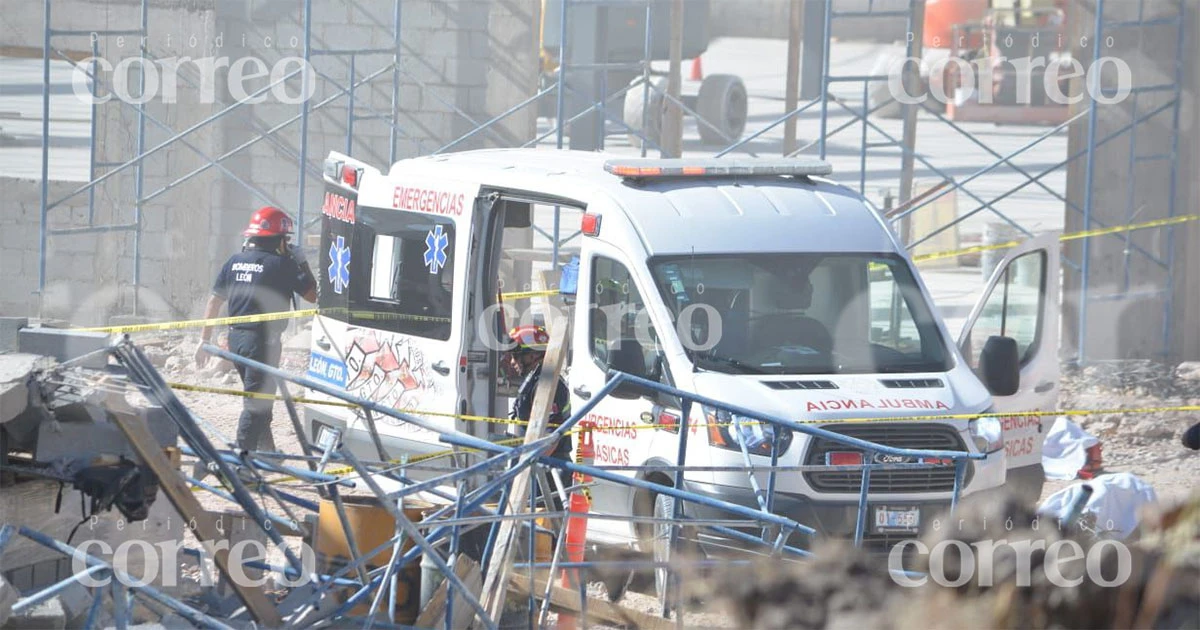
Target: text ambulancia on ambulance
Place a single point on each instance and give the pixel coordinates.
(759, 283)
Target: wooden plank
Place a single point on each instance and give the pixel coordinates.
(568, 600)
(172, 484)
(434, 614)
(501, 559)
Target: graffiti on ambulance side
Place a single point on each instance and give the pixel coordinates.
(388, 370)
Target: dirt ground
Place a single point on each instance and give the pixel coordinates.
(1145, 444)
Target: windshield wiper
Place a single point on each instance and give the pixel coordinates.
(746, 368)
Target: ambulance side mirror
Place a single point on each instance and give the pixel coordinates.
(1000, 366)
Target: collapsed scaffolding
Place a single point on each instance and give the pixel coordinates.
(486, 486)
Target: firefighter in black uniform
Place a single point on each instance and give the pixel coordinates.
(525, 359)
(259, 279)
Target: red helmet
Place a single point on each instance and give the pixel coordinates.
(269, 221)
(528, 338)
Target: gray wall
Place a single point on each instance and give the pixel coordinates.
(769, 18)
(462, 62)
(1132, 327)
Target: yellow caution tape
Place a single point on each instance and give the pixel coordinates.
(257, 395)
(382, 315)
(500, 420)
(197, 323)
(308, 312)
(333, 403)
(262, 317)
(521, 295)
(1064, 238)
(342, 470)
(961, 416)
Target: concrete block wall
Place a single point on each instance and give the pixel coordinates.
(474, 56)
(1130, 323)
(769, 19)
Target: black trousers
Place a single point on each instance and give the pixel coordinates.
(256, 413)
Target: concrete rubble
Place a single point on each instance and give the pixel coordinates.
(842, 588)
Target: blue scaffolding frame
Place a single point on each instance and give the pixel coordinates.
(559, 90)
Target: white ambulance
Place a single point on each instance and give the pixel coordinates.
(755, 282)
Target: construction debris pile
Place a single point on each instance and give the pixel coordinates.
(453, 540)
(349, 542)
(842, 587)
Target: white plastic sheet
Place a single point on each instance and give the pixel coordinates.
(1116, 500)
(1065, 449)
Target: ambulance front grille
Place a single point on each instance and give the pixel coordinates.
(916, 436)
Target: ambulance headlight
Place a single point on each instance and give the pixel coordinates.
(987, 434)
(730, 431)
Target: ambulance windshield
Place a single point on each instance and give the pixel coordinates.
(800, 313)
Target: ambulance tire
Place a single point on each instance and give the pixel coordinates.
(664, 508)
(722, 103)
(636, 107)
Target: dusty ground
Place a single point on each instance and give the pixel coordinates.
(1145, 444)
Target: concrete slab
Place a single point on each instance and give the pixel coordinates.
(65, 345)
(14, 371)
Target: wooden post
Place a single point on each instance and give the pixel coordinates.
(791, 98)
(672, 129)
(912, 85)
(499, 564)
(147, 447)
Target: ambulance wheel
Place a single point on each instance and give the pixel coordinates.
(722, 103)
(638, 108)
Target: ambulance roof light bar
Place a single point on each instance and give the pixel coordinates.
(635, 168)
(342, 173)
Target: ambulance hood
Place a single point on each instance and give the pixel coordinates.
(848, 396)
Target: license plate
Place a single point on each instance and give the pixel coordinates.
(897, 519)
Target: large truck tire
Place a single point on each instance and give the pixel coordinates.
(637, 106)
(722, 104)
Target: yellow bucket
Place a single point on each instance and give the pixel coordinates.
(371, 526)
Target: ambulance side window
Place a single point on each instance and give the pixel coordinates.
(618, 317)
(405, 266)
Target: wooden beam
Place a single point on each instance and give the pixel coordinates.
(30, 52)
(501, 559)
(172, 484)
(434, 614)
(568, 600)
(791, 93)
(672, 127)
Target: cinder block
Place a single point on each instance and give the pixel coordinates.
(65, 345)
(16, 237)
(49, 615)
(9, 337)
(331, 12)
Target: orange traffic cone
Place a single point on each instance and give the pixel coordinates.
(697, 71)
(576, 533)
